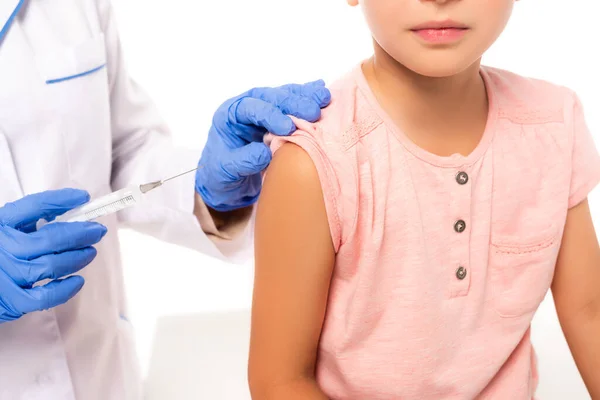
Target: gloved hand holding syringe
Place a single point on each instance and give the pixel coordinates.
(110, 203)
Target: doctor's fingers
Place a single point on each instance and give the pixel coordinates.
(16, 301)
(290, 103)
(28, 210)
(315, 90)
(45, 297)
(26, 273)
(51, 239)
(255, 113)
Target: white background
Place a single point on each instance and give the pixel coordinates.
(191, 56)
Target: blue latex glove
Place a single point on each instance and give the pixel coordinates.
(235, 155)
(55, 251)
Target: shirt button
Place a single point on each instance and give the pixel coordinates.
(460, 226)
(462, 178)
(461, 273)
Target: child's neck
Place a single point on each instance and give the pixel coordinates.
(442, 115)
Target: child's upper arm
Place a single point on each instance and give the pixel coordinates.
(576, 284)
(577, 277)
(294, 261)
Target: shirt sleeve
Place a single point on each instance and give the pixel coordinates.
(585, 160)
(335, 174)
(143, 151)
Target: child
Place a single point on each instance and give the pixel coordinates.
(404, 242)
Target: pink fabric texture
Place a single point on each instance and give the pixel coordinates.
(416, 309)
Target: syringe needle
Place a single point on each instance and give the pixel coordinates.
(145, 188)
(177, 176)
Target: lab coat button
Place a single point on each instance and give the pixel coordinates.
(43, 379)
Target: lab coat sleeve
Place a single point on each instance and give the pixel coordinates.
(143, 151)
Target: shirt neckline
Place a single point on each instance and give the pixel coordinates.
(455, 160)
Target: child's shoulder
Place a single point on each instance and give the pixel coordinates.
(528, 100)
(349, 116)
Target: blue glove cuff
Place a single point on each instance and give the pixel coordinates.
(244, 202)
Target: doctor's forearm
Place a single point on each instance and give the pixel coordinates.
(223, 225)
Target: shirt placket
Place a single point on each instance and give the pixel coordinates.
(459, 268)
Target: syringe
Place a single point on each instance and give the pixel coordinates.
(110, 203)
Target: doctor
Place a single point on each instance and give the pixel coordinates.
(71, 117)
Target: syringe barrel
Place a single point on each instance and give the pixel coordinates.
(96, 208)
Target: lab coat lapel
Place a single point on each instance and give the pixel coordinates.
(8, 11)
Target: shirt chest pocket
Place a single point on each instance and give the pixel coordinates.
(77, 89)
(521, 270)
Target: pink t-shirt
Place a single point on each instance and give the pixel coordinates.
(442, 261)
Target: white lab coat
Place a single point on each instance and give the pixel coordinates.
(71, 117)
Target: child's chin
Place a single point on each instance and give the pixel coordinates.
(439, 66)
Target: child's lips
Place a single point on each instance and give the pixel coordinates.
(441, 35)
(445, 24)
